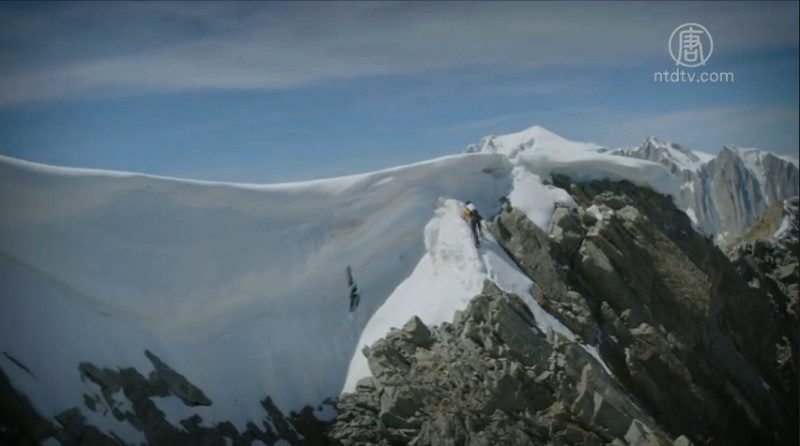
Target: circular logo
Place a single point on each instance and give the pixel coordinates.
(690, 45)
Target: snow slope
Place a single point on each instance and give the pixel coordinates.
(452, 271)
(242, 288)
(537, 154)
(450, 274)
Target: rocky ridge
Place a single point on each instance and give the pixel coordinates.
(697, 353)
(491, 377)
(693, 348)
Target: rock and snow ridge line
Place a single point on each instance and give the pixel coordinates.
(723, 194)
(200, 273)
(450, 274)
(92, 220)
(204, 272)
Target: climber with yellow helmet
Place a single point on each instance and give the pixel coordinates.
(472, 217)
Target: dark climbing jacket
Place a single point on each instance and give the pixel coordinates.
(471, 215)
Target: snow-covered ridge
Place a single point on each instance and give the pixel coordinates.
(99, 266)
(543, 153)
(207, 274)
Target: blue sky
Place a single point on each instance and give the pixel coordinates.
(285, 91)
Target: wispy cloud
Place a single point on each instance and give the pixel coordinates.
(56, 51)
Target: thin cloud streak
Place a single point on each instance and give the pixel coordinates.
(269, 45)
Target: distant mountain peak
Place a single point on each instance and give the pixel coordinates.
(535, 137)
(674, 156)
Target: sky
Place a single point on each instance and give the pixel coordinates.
(271, 91)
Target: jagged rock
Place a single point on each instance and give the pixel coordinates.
(177, 384)
(701, 349)
(538, 255)
(19, 422)
(681, 328)
(71, 427)
(502, 383)
(418, 334)
(365, 384)
(75, 427)
(768, 258)
(640, 435)
(566, 228)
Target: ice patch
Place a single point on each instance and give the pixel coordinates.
(535, 199)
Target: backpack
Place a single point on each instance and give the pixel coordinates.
(476, 215)
(471, 213)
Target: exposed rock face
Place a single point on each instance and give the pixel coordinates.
(767, 257)
(21, 424)
(489, 378)
(678, 325)
(695, 352)
(728, 193)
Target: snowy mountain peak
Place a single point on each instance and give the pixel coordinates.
(723, 194)
(532, 138)
(674, 156)
(540, 133)
(756, 157)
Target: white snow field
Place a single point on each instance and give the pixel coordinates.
(242, 287)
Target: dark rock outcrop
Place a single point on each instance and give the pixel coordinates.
(21, 424)
(767, 256)
(705, 354)
(490, 377)
(695, 352)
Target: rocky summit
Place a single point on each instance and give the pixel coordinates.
(692, 348)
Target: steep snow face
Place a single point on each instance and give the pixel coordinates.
(450, 274)
(242, 288)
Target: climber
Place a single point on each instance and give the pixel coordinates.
(471, 215)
